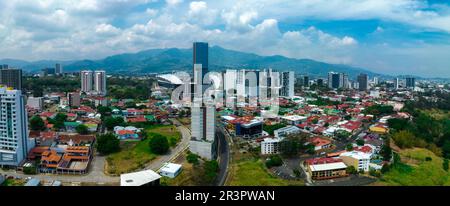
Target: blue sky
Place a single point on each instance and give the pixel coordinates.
(386, 36)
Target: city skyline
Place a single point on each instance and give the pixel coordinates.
(412, 34)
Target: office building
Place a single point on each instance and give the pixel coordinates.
(36, 103)
(58, 69)
(100, 82)
(375, 80)
(287, 84)
(410, 82)
(203, 141)
(363, 83)
(338, 81)
(325, 168)
(200, 56)
(396, 83)
(14, 141)
(320, 82)
(74, 99)
(305, 81)
(4, 66)
(86, 81)
(11, 78)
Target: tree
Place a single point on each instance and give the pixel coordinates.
(274, 161)
(386, 151)
(111, 122)
(349, 147)
(445, 165)
(211, 169)
(82, 129)
(107, 144)
(293, 144)
(351, 170)
(37, 124)
(104, 110)
(159, 144)
(360, 142)
(404, 139)
(192, 158)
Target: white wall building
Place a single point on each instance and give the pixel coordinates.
(86, 81)
(359, 160)
(35, 103)
(287, 84)
(170, 170)
(270, 146)
(285, 131)
(100, 82)
(14, 141)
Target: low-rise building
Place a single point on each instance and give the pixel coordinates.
(325, 168)
(170, 170)
(294, 119)
(285, 131)
(142, 178)
(357, 159)
(270, 146)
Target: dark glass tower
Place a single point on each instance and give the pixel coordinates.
(363, 82)
(201, 56)
(11, 78)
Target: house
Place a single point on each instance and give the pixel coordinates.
(138, 119)
(142, 178)
(130, 112)
(46, 115)
(320, 143)
(72, 117)
(285, 131)
(170, 170)
(127, 132)
(294, 119)
(71, 126)
(76, 140)
(325, 168)
(351, 126)
(359, 160)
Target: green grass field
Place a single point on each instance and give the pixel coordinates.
(13, 182)
(252, 172)
(135, 155)
(416, 171)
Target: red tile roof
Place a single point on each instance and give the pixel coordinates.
(322, 160)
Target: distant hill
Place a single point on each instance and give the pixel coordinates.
(165, 60)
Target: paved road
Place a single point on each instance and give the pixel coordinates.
(157, 163)
(224, 156)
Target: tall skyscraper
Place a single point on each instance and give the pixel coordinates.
(396, 83)
(11, 78)
(337, 80)
(58, 69)
(100, 82)
(86, 81)
(14, 141)
(410, 82)
(203, 142)
(200, 56)
(305, 81)
(375, 80)
(287, 84)
(363, 82)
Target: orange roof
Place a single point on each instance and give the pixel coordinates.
(124, 132)
(317, 141)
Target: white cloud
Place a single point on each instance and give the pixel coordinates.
(174, 2)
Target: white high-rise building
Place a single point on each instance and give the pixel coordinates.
(203, 116)
(396, 83)
(100, 82)
(86, 81)
(14, 141)
(287, 84)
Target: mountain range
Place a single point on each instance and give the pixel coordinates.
(175, 59)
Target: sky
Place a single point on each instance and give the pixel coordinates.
(399, 37)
